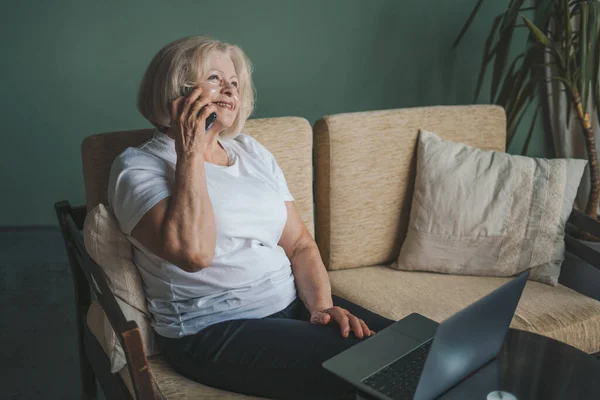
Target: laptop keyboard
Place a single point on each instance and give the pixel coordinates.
(399, 379)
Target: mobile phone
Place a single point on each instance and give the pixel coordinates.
(210, 120)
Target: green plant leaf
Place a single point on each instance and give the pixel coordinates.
(524, 94)
(503, 48)
(568, 85)
(467, 24)
(487, 55)
(543, 12)
(512, 125)
(517, 108)
(530, 132)
(545, 41)
(537, 33)
(512, 13)
(575, 75)
(506, 32)
(509, 82)
(524, 74)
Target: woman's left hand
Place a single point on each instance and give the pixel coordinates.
(344, 318)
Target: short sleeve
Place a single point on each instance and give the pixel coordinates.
(269, 159)
(137, 182)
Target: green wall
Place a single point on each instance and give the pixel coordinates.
(71, 68)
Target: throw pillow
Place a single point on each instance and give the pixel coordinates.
(477, 212)
(108, 246)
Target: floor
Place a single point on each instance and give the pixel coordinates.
(36, 292)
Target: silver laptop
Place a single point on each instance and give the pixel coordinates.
(415, 358)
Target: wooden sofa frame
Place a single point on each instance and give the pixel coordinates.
(89, 280)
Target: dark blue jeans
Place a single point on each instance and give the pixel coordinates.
(278, 356)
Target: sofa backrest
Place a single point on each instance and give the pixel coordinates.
(365, 169)
(288, 138)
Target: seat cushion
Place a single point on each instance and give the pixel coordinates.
(172, 385)
(557, 312)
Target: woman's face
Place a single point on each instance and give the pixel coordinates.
(221, 85)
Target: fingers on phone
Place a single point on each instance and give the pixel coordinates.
(209, 109)
(175, 107)
(197, 106)
(194, 94)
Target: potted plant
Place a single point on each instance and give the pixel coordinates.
(563, 45)
(560, 46)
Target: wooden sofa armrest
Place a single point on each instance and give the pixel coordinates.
(87, 273)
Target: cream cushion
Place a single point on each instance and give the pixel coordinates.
(557, 312)
(477, 212)
(168, 383)
(171, 385)
(111, 250)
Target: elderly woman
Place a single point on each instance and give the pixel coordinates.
(239, 294)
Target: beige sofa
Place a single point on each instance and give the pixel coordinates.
(363, 175)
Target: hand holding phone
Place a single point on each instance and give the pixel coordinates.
(185, 92)
(189, 115)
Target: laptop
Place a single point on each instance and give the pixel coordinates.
(415, 358)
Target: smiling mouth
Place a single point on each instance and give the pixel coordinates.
(223, 104)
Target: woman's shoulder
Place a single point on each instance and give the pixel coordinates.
(138, 158)
(251, 145)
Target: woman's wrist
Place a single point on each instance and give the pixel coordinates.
(322, 306)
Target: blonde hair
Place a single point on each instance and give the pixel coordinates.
(180, 64)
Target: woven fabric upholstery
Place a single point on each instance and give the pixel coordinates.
(557, 312)
(97, 153)
(365, 168)
(288, 138)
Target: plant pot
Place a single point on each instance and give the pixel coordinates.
(580, 275)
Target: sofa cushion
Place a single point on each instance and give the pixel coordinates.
(556, 312)
(112, 251)
(477, 212)
(102, 330)
(108, 246)
(171, 385)
(364, 173)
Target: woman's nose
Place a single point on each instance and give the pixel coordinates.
(228, 89)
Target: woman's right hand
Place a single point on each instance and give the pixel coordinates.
(188, 116)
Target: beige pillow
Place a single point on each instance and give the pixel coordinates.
(478, 212)
(110, 248)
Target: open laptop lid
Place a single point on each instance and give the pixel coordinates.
(469, 339)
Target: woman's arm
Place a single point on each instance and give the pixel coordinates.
(309, 271)
(312, 281)
(181, 229)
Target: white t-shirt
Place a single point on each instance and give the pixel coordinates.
(250, 275)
